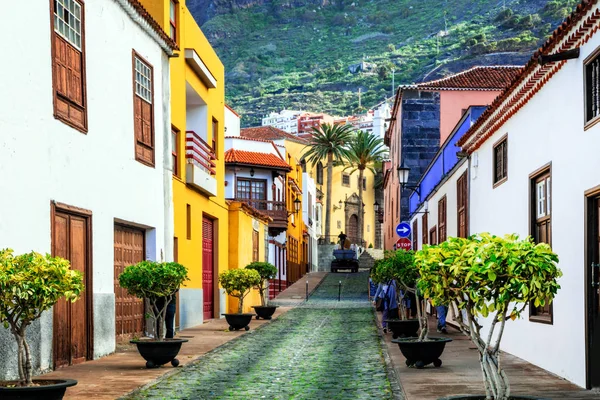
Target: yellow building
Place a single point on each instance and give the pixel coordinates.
(197, 119)
(248, 229)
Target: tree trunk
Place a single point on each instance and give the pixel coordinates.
(328, 199)
(261, 291)
(241, 305)
(361, 213)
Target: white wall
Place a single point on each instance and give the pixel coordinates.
(548, 129)
(44, 160)
(232, 123)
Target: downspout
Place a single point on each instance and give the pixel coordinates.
(137, 18)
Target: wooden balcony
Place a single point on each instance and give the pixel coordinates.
(200, 164)
(275, 210)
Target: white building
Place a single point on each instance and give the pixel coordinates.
(310, 216)
(532, 162)
(286, 120)
(85, 154)
(383, 112)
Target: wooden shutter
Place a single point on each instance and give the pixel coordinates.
(68, 77)
(424, 230)
(442, 220)
(254, 246)
(415, 235)
(462, 205)
(143, 111)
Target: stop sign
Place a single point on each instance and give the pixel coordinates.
(404, 244)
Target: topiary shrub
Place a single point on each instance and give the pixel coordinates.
(488, 276)
(266, 271)
(238, 282)
(157, 282)
(30, 284)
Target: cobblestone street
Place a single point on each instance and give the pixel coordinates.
(322, 349)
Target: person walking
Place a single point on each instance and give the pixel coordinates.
(387, 292)
(442, 312)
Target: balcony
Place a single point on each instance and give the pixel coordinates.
(200, 164)
(274, 209)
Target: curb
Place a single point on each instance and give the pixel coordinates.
(392, 372)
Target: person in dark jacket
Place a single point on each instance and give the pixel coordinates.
(169, 316)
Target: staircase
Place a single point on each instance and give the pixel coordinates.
(366, 261)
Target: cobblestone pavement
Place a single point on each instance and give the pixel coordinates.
(322, 349)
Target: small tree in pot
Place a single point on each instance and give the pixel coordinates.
(266, 271)
(156, 282)
(237, 283)
(489, 276)
(30, 284)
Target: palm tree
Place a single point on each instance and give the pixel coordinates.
(328, 141)
(365, 151)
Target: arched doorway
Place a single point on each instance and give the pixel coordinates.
(352, 229)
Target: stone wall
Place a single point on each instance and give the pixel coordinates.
(326, 256)
(420, 137)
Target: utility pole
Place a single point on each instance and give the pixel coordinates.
(393, 80)
(359, 99)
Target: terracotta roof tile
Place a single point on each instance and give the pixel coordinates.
(152, 22)
(269, 133)
(494, 77)
(234, 156)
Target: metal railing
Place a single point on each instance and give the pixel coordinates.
(333, 239)
(274, 209)
(200, 153)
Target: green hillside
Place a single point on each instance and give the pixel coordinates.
(296, 54)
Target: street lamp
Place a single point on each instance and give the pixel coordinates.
(403, 172)
(297, 205)
(337, 207)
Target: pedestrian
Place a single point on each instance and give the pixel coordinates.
(390, 303)
(442, 312)
(342, 238)
(169, 316)
(372, 286)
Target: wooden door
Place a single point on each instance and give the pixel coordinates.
(208, 267)
(352, 229)
(129, 248)
(593, 366)
(72, 321)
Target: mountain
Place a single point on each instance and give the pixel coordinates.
(317, 54)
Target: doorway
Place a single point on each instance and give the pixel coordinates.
(72, 324)
(208, 263)
(352, 229)
(593, 290)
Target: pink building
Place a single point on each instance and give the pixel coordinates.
(423, 117)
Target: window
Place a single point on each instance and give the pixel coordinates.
(424, 236)
(339, 224)
(433, 236)
(68, 63)
(541, 228)
(215, 136)
(500, 161)
(462, 195)
(143, 111)
(173, 21)
(345, 180)
(175, 150)
(364, 183)
(254, 190)
(175, 249)
(415, 235)
(254, 246)
(442, 220)
(188, 221)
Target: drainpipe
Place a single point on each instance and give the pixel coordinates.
(137, 18)
(169, 230)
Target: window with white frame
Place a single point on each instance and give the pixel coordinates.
(67, 21)
(143, 80)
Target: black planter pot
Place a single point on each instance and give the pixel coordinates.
(53, 390)
(421, 354)
(157, 353)
(238, 321)
(482, 397)
(403, 328)
(265, 312)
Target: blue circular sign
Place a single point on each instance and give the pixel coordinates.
(403, 229)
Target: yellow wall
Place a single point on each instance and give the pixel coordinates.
(296, 229)
(189, 250)
(241, 226)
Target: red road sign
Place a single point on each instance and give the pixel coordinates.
(404, 244)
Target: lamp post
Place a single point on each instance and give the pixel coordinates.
(403, 172)
(297, 205)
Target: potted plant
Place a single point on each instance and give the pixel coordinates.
(30, 284)
(399, 266)
(237, 283)
(422, 350)
(266, 271)
(157, 283)
(494, 278)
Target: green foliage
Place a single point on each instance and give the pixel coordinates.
(364, 151)
(238, 282)
(30, 284)
(398, 265)
(266, 271)
(152, 279)
(486, 273)
(328, 140)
